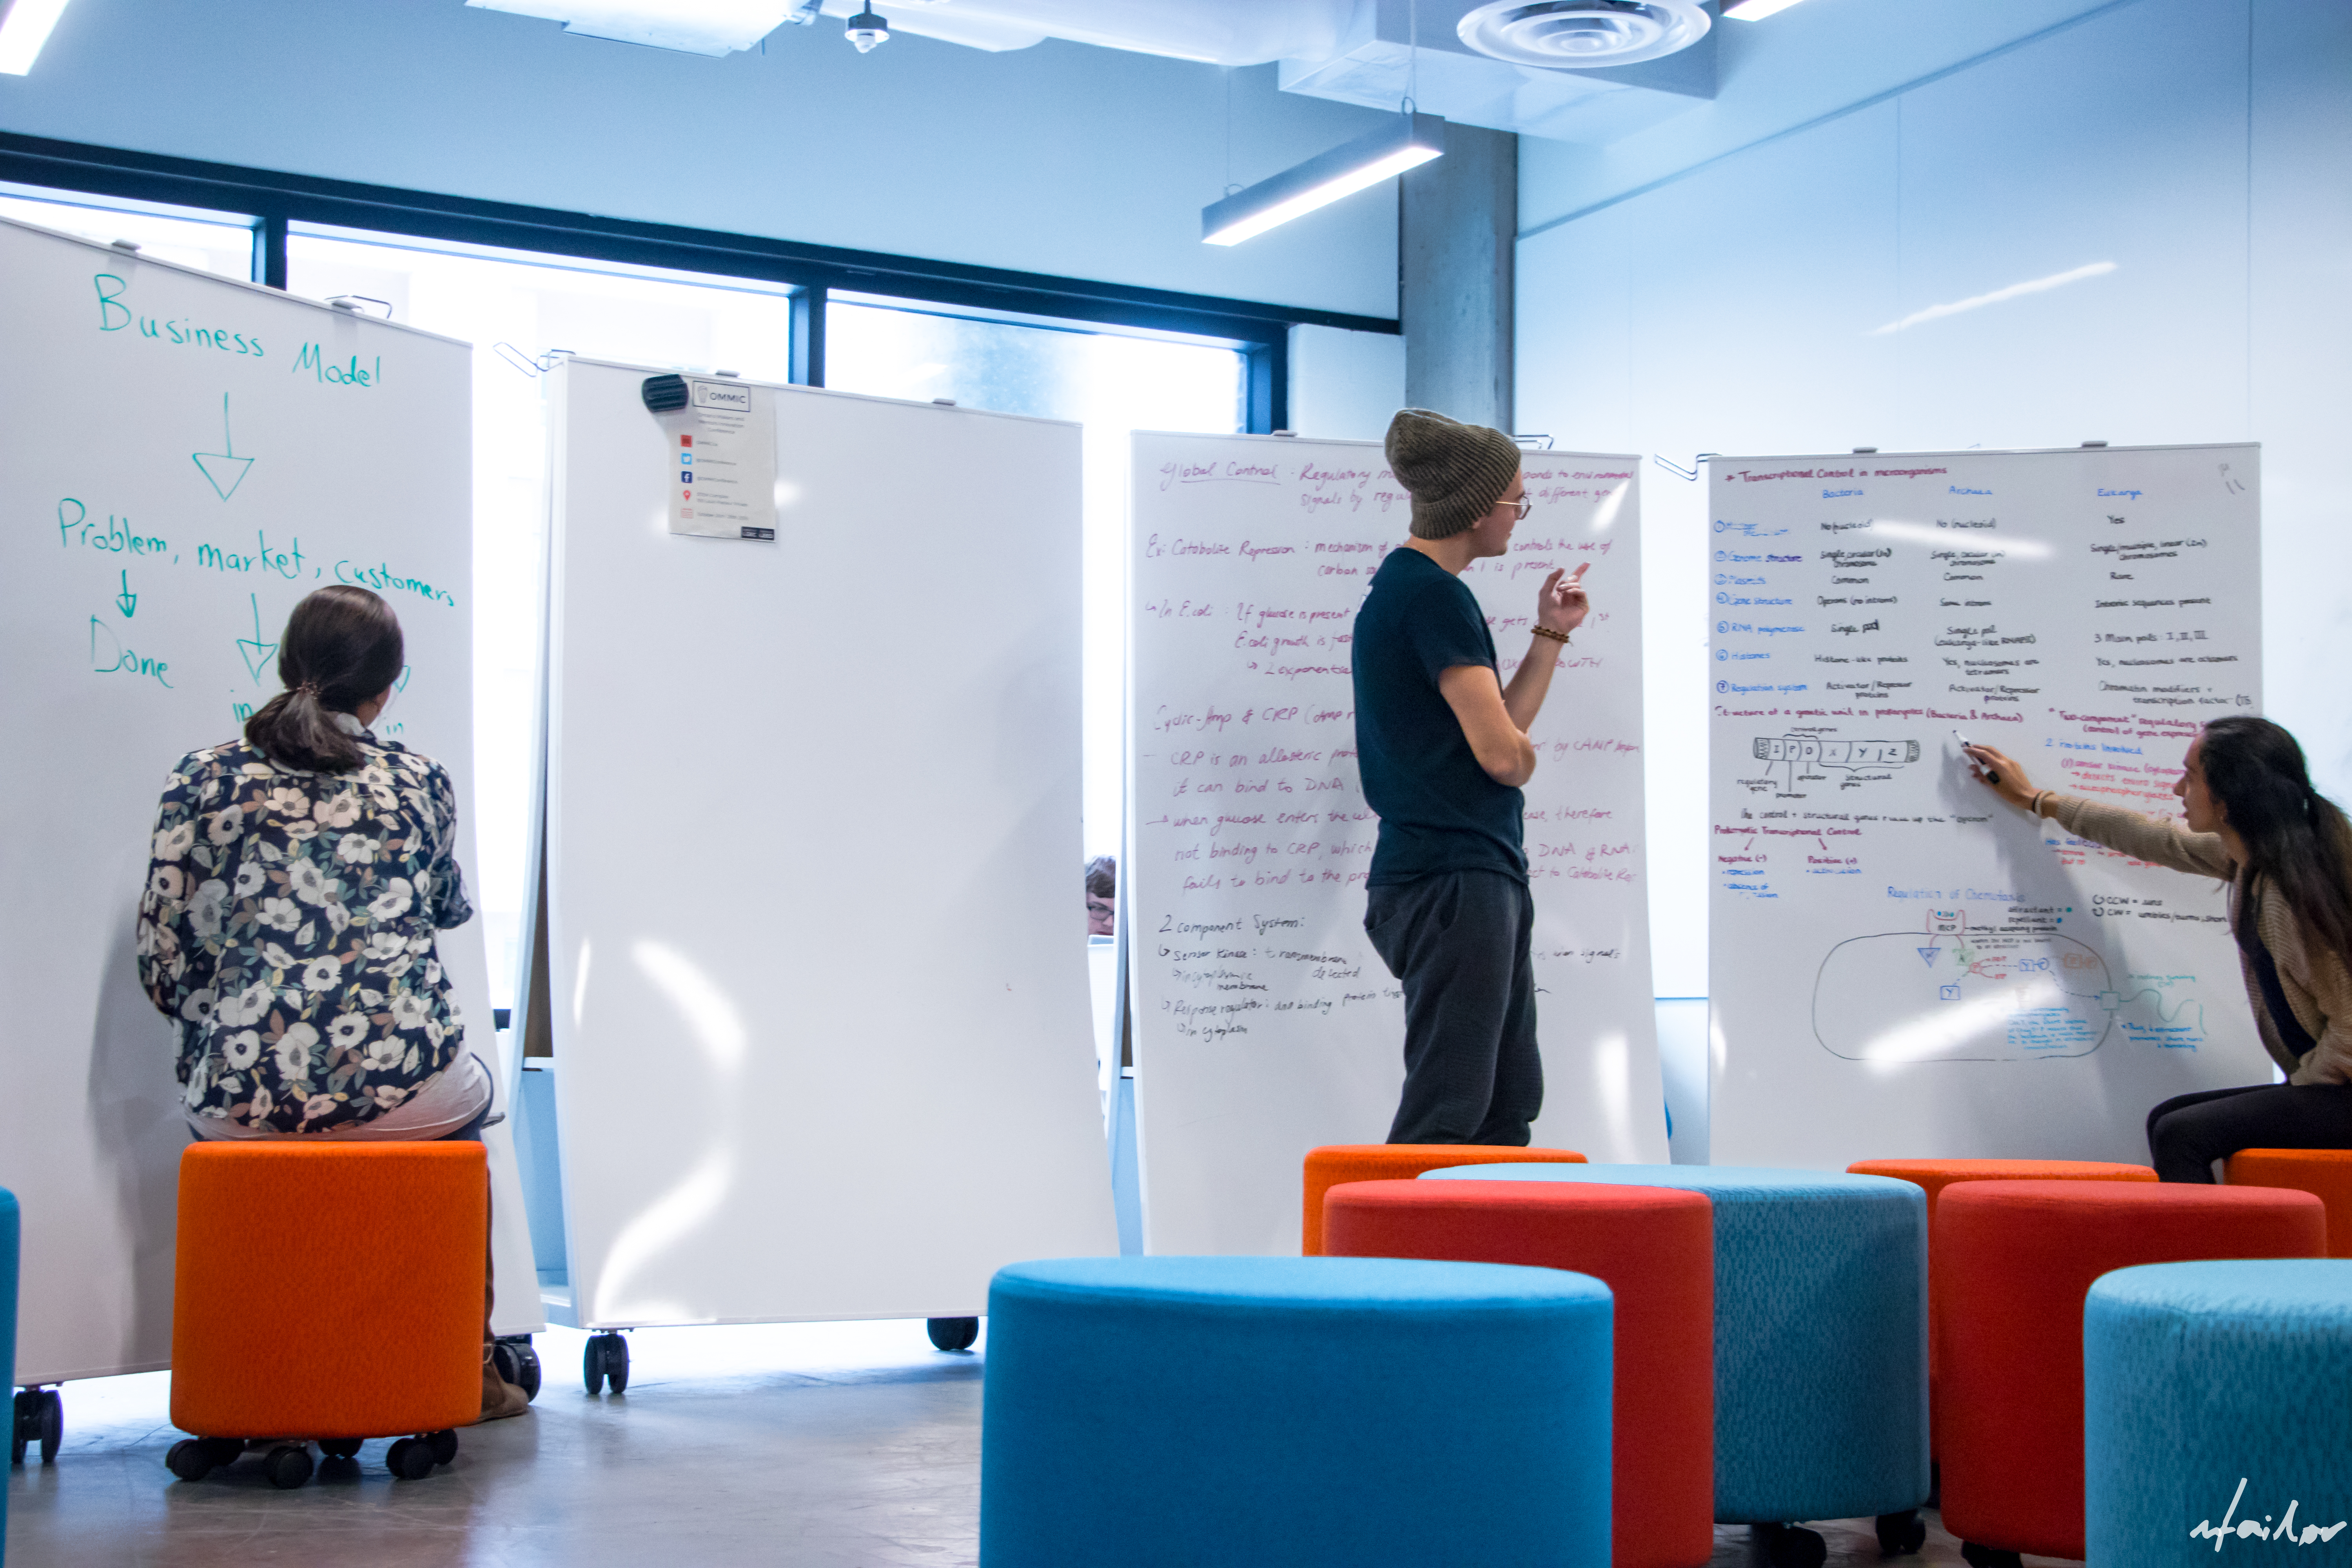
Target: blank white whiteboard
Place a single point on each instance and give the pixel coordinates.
(1902, 965)
(185, 458)
(815, 915)
(1265, 1023)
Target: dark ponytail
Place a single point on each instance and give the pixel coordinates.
(341, 646)
(2296, 838)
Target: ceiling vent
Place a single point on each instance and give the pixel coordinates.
(1581, 34)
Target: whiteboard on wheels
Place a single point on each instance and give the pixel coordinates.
(1265, 1023)
(1902, 965)
(816, 924)
(186, 456)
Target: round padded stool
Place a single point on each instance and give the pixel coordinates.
(1334, 1163)
(1934, 1175)
(1349, 1412)
(2015, 1260)
(1654, 1248)
(2325, 1174)
(1820, 1341)
(2214, 1403)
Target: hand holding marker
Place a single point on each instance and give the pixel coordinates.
(1999, 770)
(1986, 770)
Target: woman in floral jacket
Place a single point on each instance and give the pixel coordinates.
(287, 925)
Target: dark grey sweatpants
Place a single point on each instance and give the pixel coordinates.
(1459, 942)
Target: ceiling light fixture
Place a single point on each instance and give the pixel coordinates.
(867, 31)
(1755, 10)
(23, 32)
(1406, 143)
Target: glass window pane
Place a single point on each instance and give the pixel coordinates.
(222, 245)
(515, 309)
(1111, 384)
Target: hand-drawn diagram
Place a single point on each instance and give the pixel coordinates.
(1949, 993)
(224, 470)
(1810, 757)
(256, 653)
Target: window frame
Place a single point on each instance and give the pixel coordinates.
(273, 201)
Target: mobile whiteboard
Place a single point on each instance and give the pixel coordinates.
(1265, 1023)
(815, 914)
(1901, 965)
(185, 458)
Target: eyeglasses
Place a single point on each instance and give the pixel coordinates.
(1520, 507)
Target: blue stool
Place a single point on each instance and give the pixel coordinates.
(1354, 1412)
(1821, 1344)
(2214, 1404)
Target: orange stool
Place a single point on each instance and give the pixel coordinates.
(1334, 1163)
(1654, 1248)
(2325, 1174)
(2016, 1260)
(387, 1240)
(1934, 1175)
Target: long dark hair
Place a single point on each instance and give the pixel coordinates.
(341, 646)
(2297, 839)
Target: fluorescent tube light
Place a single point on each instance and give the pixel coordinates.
(1755, 10)
(1407, 141)
(23, 32)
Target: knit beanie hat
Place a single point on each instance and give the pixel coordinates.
(1456, 472)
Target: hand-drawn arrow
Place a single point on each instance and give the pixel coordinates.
(225, 469)
(126, 599)
(257, 654)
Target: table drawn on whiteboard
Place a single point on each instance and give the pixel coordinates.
(1805, 759)
(224, 470)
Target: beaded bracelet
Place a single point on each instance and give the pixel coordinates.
(1547, 632)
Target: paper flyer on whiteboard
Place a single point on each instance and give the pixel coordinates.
(723, 457)
(1266, 1024)
(1901, 965)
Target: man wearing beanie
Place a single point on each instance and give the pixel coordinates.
(1442, 747)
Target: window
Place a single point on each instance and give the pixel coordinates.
(515, 309)
(219, 243)
(1112, 383)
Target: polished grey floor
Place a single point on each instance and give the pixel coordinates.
(807, 1446)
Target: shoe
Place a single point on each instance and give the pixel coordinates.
(500, 1398)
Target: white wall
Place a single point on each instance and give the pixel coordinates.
(1345, 386)
(2197, 144)
(1060, 159)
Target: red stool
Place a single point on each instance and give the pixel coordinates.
(1336, 1163)
(1654, 1248)
(1934, 1175)
(2015, 1260)
(384, 1245)
(2325, 1174)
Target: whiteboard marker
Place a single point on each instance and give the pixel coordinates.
(1992, 776)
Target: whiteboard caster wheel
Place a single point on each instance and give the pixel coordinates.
(953, 1333)
(517, 1363)
(606, 1362)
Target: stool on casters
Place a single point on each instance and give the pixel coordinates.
(400, 1269)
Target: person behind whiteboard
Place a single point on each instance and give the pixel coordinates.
(1442, 748)
(2286, 849)
(297, 878)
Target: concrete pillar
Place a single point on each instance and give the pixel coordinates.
(1457, 222)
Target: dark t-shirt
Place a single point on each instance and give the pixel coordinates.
(1438, 810)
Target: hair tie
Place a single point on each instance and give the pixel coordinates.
(312, 687)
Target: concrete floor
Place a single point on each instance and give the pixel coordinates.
(803, 1446)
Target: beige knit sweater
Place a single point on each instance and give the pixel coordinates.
(2312, 977)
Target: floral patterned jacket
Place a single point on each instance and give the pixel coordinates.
(287, 925)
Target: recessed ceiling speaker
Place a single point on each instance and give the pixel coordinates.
(1582, 33)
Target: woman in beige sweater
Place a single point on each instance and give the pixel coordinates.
(2254, 822)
